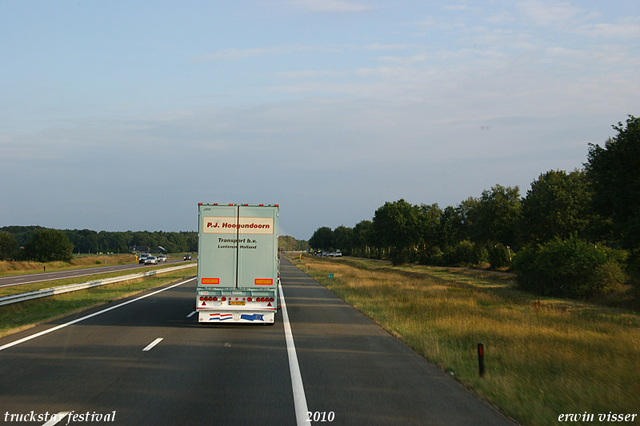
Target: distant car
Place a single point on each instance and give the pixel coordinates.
(338, 253)
(151, 260)
(162, 258)
(142, 257)
(187, 257)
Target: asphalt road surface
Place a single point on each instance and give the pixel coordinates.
(14, 280)
(111, 363)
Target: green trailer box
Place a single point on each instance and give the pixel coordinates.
(238, 266)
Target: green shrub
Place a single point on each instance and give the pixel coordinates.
(608, 277)
(466, 253)
(48, 245)
(569, 268)
(499, 256)
(429, 255)
(398, 256)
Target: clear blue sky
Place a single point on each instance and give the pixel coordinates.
(121, 115)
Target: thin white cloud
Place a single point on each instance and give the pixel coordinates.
(611, 31)
(393, 46)
(309, 74)
(235, 54)
(405, 60)
(458, 7)
(551, 13)
(330, 6)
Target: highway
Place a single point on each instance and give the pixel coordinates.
(13, 280)
(111, 362)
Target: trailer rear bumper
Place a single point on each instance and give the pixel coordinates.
(239, 317)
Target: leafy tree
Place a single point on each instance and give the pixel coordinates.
(192, 241)
(176, 242)
(430, 233)
(343, 239)
(614, 173)
(496, 216)
(322, 239)
(291, 244)
(361, 239)
(22, 234)
(465, 253)
(570, 268)
(557, 205)
(143, 238)
(499, 256)
(115, 242)
(84, 241)
(48, 245)
(456, 222)
(395, 226)
(8, 246)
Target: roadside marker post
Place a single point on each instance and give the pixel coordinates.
(481, 359)
(330, 276)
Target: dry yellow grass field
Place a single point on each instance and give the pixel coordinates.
(21, 267)
(543, 358)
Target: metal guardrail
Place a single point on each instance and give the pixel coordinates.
(46, 292)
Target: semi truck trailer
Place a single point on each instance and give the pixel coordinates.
(238, 263)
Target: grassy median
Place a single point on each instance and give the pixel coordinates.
(23, 315)
(543, 357)
(8, 268)
(24, 288)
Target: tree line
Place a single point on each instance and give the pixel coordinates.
(572, 234)
(288, 243)
(37, 243)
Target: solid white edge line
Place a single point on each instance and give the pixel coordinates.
(191, 314)
(42, 333)
(56, 418)
(152, 344)
(299, 398)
